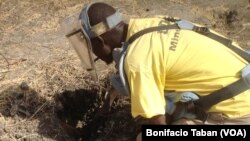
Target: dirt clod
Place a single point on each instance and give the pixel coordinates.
(232, 17)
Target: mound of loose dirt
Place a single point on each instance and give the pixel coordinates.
(44, 92)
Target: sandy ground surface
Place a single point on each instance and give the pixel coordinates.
(45, 95)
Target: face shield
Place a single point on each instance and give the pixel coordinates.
(79, 32)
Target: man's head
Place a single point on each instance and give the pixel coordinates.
(107, 29)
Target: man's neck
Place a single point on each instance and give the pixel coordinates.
(124, 33)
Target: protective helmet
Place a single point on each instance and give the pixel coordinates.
(79, 32)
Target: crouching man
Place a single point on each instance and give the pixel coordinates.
(173, 70)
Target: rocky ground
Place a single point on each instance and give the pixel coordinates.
(45, 95)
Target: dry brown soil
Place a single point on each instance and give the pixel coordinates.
(45, 95)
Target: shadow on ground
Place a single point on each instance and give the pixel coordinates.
(69, 116)
(35, 117)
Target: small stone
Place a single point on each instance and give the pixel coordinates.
(24, 86)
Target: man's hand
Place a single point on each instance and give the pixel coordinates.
(112, 94)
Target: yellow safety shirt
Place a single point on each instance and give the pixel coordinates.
(179, 60)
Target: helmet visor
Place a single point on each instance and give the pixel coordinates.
(79, 41)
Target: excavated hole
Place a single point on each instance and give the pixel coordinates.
(77, 112)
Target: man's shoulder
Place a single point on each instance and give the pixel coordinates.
(138, 24)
